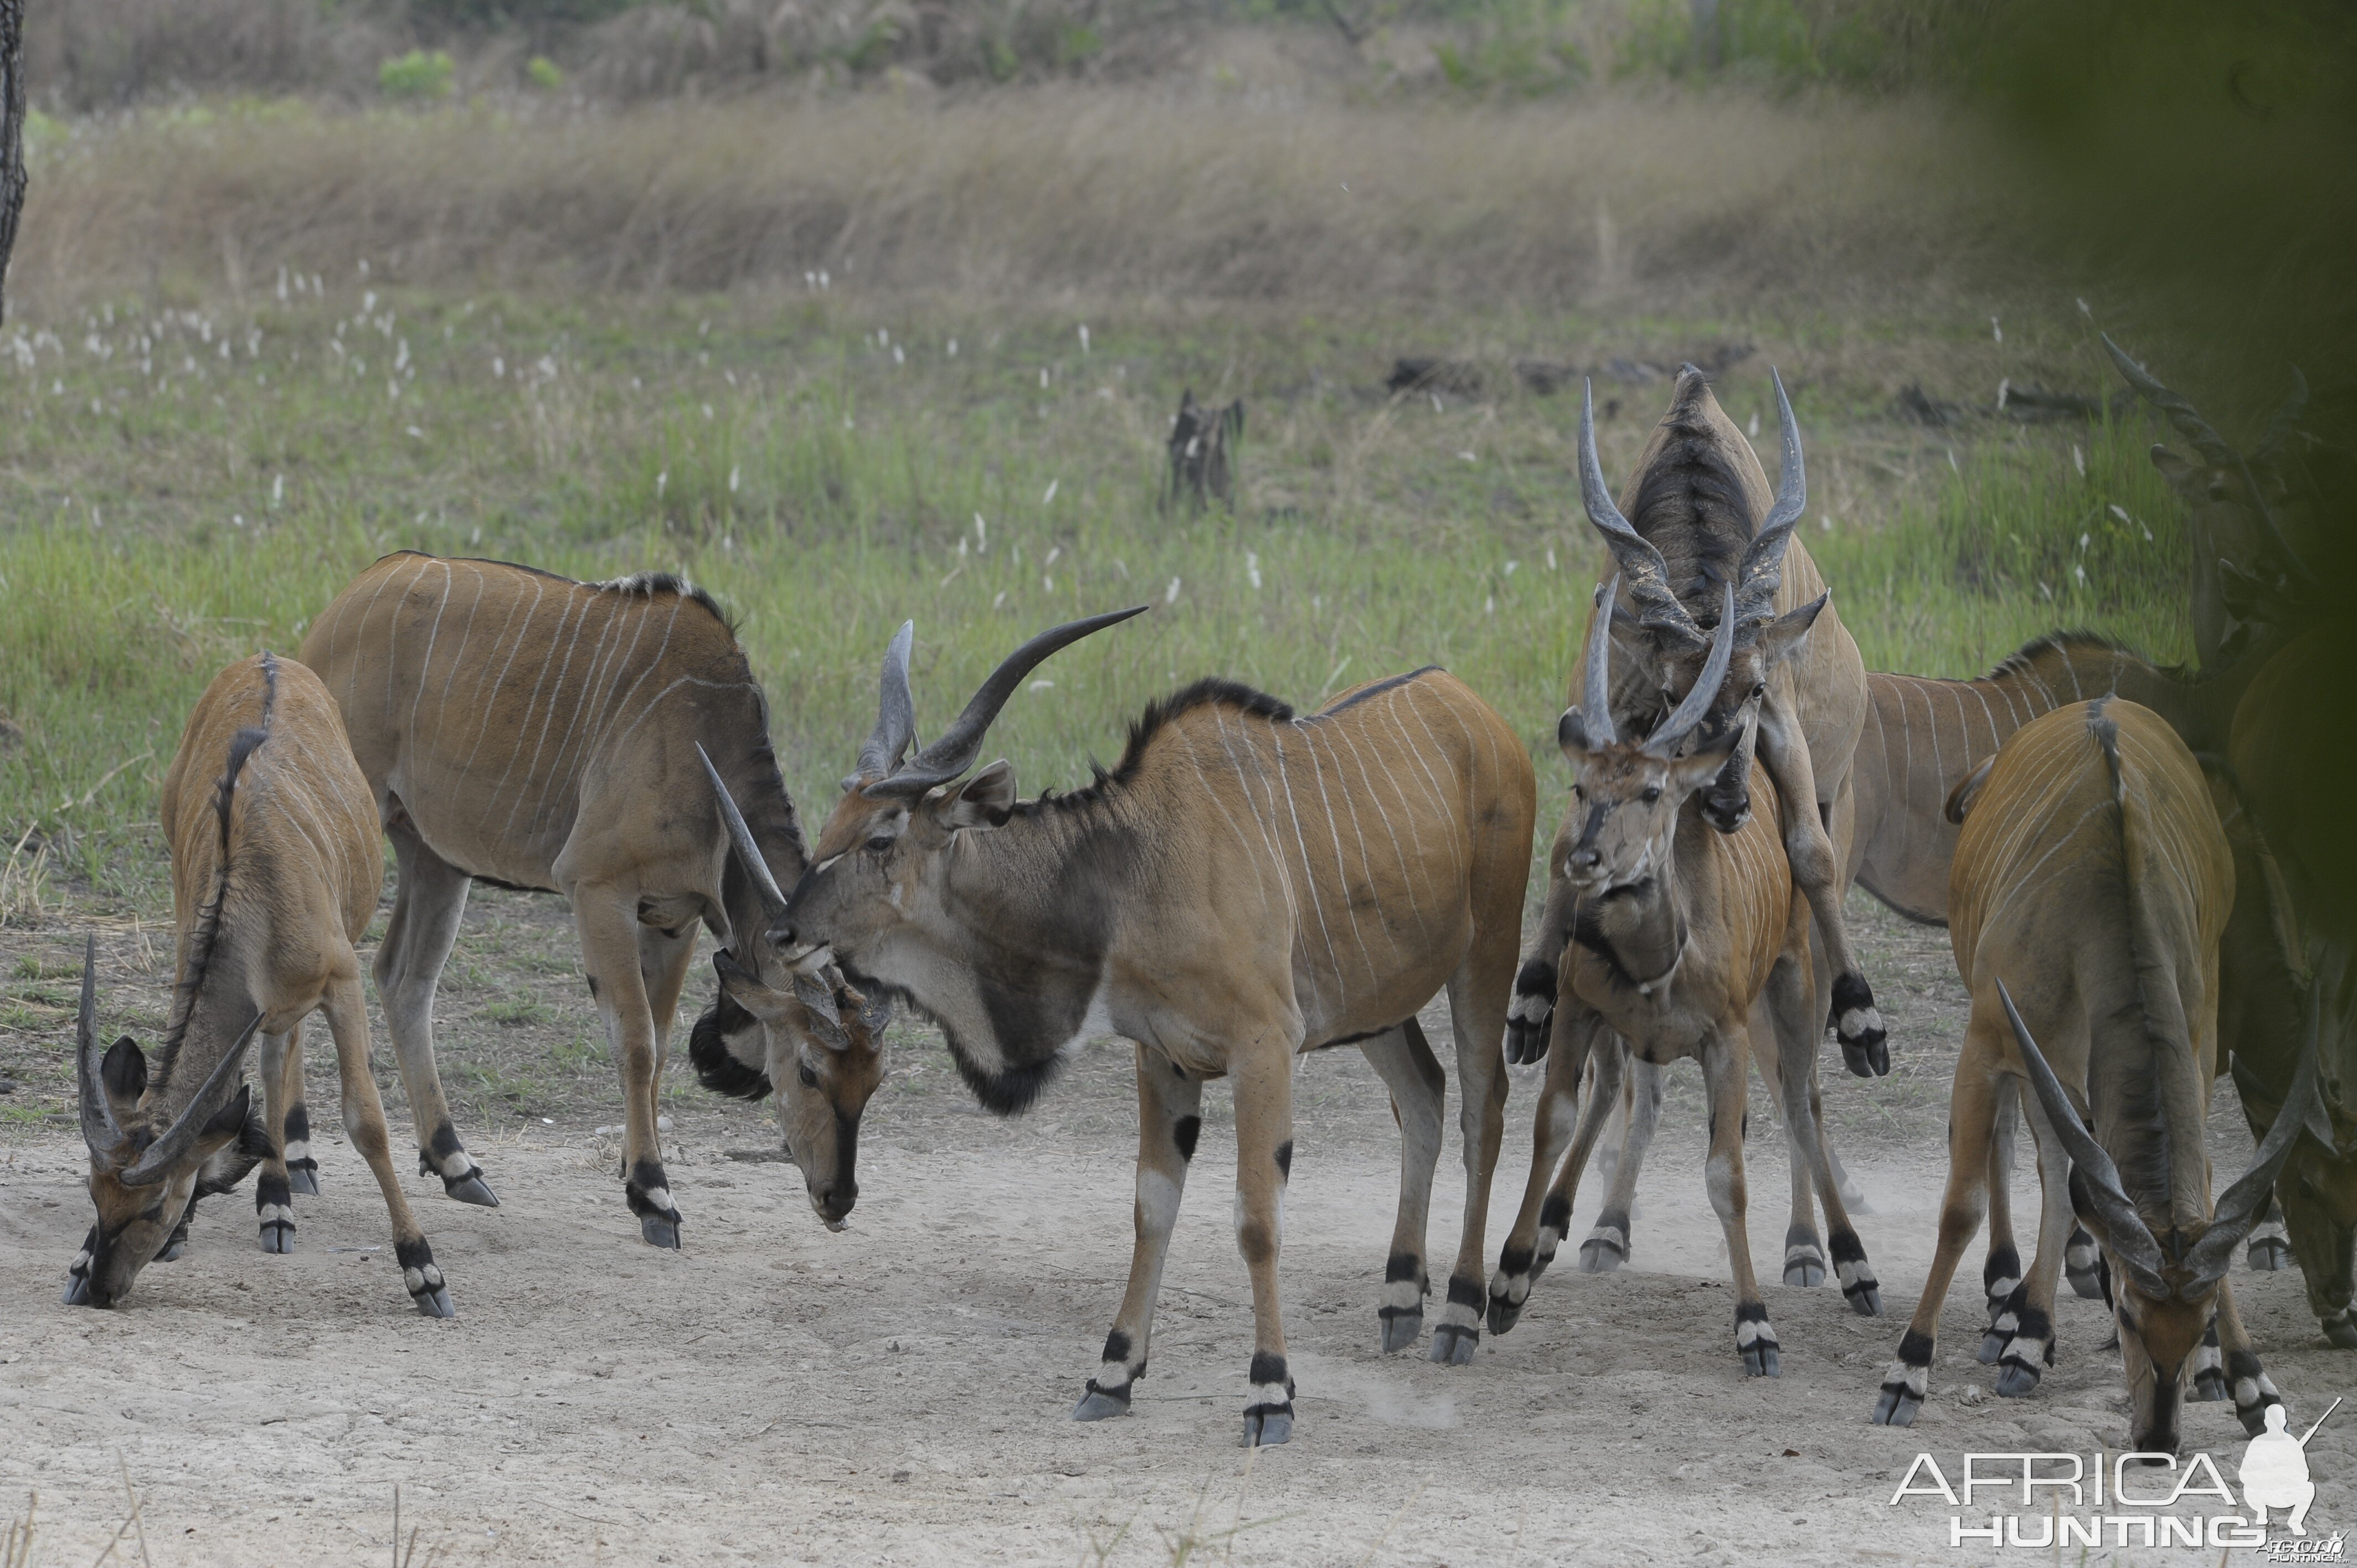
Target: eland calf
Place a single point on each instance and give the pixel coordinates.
(274, 875)
(2092, 880)
(1247, 885)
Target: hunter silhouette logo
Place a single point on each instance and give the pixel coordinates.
(2275, 1471)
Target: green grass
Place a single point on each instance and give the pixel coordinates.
(184, 486)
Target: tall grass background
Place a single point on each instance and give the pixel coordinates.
(187, 484)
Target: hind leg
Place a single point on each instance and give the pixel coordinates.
(1608, 1245)
(1404, 1060)
(2024, 1320)
(1559, 1122)
(273, 1202)
(2270, 1245)
(427, 909)
(364, 1125)
(1478, 995)
(2001, 1274)
(294, 1127)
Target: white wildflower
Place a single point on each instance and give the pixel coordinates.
(2079, 460)
(1085, 339)
(1252, 568)
(1170, 594)
(1043, 685)
(1049, 497)
(735, 472)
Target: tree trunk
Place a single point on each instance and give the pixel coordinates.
(12, 92)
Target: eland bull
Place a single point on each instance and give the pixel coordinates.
(530, 730)
(1248, 883)
(274, 875)
(1702, 518)
(2094, 881)
(1684, 942)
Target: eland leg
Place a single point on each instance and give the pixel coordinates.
(606, 918)
(1559, 1121)
(1726, 1066)
(1264, 1102)
(1169, 1120)
(1610, 1240)
(273, 1202)
(2001, 1273)
(1971, 1112)
(431, 900)
(2326, 1249)
(1478, 994)
(294, 1126)
(1856, 1022)
(364, 1125)
(1403, 1059)
(2025, 1321)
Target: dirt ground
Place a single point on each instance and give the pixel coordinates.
(897, 1393)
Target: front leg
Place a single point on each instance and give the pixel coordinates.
(1971, 1112)
(1169, 1118)
(1724, 1069)
(273, 1201)
(607, 919)
(1264, 1102)
(1558, 1122)
(1784, 751)
(2245, 1381)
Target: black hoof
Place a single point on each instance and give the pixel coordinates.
(1760, 1361)
(1865, 1298)
(1099, 1405)
(421, 1278)
(1503, 1314)
(1755, 1341)
(1993, 1345)
(77, 1290)
(1452, 1345)
(2210, 1386)
(1401, 1327)
(472, 1188)
(277, 1236)
(1806, 1272)
(2017, 1380)
(1266, 1428)
(1895, 1406)
(436, 1302)
(304, 1178)
(1866, 1061)
(660, 1230)
(172, 1250)
(1602, 1255)
(2342, 1330)
(2270, 1254)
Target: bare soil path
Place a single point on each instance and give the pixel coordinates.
(898, 1394)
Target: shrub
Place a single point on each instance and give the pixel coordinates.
(543, 73)
(417, 75)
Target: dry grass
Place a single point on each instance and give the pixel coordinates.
(1042, 196)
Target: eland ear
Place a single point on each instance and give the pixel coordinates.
(230, 1120)
(983, 801)
(2183, 474)
(1788, 634)
(1961, 799)
(124, 1074)
(1571, 734)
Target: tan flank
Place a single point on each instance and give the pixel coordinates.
(2089, 889)
(1683, 942)
(524, 729)
(274, 875)
(1249, 884)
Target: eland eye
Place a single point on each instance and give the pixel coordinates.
(879, 844)
(809, 1079)
(1653, 793)
(1760, 690)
